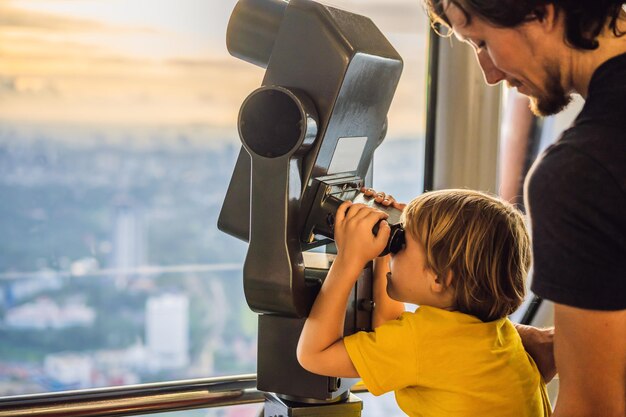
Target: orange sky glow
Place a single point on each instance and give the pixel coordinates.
(146, 62)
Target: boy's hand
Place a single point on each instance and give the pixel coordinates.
(353, 233)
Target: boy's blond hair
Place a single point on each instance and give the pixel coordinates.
(481, 240)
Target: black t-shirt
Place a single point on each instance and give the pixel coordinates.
(576, 198)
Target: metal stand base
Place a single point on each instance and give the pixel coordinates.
(276, 407)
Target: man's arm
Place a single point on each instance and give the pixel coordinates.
(590, 351)
(539, 343)
(321, 349)
(385, 308)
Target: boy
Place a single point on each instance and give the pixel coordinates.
(464, 261)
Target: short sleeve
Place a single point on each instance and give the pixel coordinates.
(386, 359)
(578, 225)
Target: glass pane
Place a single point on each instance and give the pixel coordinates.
(117, 142)
(247, 410)
(523, 138)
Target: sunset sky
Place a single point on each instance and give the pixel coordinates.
(155, 61)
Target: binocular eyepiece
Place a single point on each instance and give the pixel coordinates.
(331, 196)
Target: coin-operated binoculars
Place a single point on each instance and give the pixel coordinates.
(308, 135)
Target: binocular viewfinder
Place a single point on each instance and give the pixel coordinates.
(331, 194)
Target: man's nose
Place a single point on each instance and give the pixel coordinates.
(491, 73)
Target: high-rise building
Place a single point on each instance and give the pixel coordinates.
(129, 248)
(167, 331)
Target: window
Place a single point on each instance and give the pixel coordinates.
(117, 141)
(523, 138)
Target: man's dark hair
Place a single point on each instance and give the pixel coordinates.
(584, 19)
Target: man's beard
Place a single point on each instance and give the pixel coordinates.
(555, 98)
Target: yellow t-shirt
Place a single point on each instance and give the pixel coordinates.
(447, 364)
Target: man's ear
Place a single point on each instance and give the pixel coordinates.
(441, 283)
(545, 15)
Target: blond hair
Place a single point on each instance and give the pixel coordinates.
(481, 240)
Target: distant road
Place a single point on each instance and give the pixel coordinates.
(142, 270)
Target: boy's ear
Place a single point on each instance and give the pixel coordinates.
(441, 284)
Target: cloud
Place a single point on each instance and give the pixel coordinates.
(7, 85)
(11, 17)
(96, 65)
(391, 16)
(226, 63)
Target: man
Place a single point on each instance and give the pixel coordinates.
(576, 192)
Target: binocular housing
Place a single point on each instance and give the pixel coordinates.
(335, 191)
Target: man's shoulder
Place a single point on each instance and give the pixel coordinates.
(576, 198)
(583, 157)
(594, 134)
(605, 105)
(578, 175)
